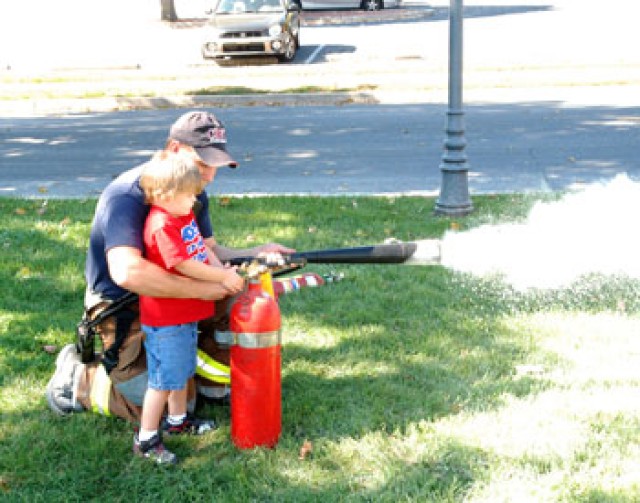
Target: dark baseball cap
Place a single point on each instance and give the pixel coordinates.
(206, 135)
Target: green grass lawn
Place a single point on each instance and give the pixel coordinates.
(399, 383)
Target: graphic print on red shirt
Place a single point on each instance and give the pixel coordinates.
(169, 241)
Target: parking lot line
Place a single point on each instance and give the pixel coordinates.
(314, 54)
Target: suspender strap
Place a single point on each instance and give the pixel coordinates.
(114, 307)
(86, 331)
(124, 320)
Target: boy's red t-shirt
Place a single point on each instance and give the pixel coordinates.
(168, 241)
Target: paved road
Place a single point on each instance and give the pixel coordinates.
(357, 149)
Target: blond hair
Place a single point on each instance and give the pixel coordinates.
(168, 174)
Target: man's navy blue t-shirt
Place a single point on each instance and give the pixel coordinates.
(119, 221)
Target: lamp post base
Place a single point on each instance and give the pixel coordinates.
(454, 197)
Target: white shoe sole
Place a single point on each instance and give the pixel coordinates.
(60, 360)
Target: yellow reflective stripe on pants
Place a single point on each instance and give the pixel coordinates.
(210, 369)
(100, 391)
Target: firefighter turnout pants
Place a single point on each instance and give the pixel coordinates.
(120, 392)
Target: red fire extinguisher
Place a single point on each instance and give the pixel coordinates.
(256, 408)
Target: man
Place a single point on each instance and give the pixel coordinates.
(115, 383)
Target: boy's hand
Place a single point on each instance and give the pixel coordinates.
(232, 281)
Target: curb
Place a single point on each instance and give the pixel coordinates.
(587, 94)
(87, 105)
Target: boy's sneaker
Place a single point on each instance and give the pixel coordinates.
(190, 426)
(154, 450)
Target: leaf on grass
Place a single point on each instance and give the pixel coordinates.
(224, 201)
(65, 221)
(24, 272)
(50, 348)
(4, 484)
(20, 211)
(454, 226)
(305, 450)
(312, 229)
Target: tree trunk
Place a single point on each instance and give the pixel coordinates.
(168, 10)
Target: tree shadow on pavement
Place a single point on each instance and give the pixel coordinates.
(441, 13)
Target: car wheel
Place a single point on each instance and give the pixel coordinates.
(290, 47)
(372, 4)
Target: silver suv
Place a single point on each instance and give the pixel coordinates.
(253, 28)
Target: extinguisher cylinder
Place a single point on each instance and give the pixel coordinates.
(256, 401)
(256, 411)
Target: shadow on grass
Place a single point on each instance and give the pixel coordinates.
(456, 366)
(88, 458)
(42, 283)
(436, 351)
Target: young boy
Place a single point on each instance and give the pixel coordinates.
(173, 241)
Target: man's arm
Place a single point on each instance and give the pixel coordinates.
(224, 253)
(213, 260)
(131, 271)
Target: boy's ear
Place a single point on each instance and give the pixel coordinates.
(173, 146)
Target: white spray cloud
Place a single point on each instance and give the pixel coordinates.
(596, 230)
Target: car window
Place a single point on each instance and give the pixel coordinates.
(239, 6)
(269, 5)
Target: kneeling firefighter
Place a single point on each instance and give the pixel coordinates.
(114, 382)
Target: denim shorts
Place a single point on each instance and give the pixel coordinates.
(171, 355)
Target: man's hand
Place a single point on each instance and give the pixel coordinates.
(272, 253)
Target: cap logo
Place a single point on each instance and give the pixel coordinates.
(210, 135)
(217, 135)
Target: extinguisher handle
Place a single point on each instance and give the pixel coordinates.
(255, 267)
(285, 262)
